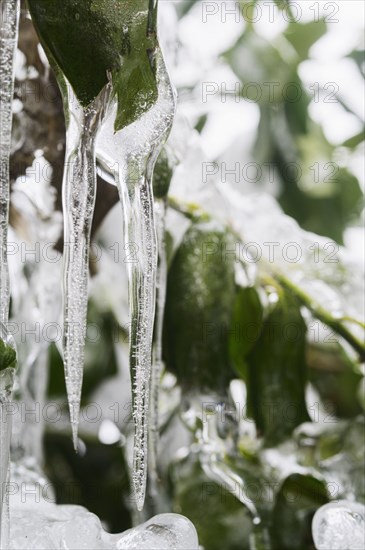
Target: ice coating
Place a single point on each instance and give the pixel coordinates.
(6, 393)
(9, 22)
(9, 19)
(162, 532)
(130, 156)
(329, 277)
(339, 526)
(47, 526)
(36, 299)
(79, 191)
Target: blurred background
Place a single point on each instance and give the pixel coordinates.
(268, 146)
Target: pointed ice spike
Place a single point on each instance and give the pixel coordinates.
(142, 232)
(142, 304)
(130, 156)
(9, 21)
(79, 191)
(161, 280)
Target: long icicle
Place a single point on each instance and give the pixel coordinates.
(79, 191)
(142, 274)
(142, 303)
(161, 281)
(130, 155)
(9, 24)
(8, 41)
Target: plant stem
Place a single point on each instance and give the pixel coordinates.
(323, 315)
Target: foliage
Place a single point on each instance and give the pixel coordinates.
(240, 334)
(118, 42)
(7, 356)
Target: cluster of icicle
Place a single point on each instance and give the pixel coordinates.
(129, 156)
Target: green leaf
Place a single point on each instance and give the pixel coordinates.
(299, 497)
(282, 4)
(336, 377)
(260, 67)
(90, 39)
(220, 519)
(184, 7)
(303, 36)
(326, 205)
(95, 479)
(162, 175)
(7, 356)
(354, 141)
(200, 296)
(277, 372)
(100, 359)
(296, 112)
(247, 320)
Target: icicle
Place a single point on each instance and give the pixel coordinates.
(131, 155)
(79, 190)
(9, 21)
(141, 234)
(161, 281)
(8, 41)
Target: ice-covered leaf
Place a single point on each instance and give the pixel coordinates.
(221, 520)
(114, 38)
(334, 374)
(246, 327)
(299, 496)
(7, 356)
(276, 371)
(163, 174)
(200, 295)
(303, 36)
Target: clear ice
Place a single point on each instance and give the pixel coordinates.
(161, 282)
(47, 526)
(130, 155)
(79, 191)
(339, 526)
(6, 393)
(8, 41)
(36, 299)
(9, 15)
